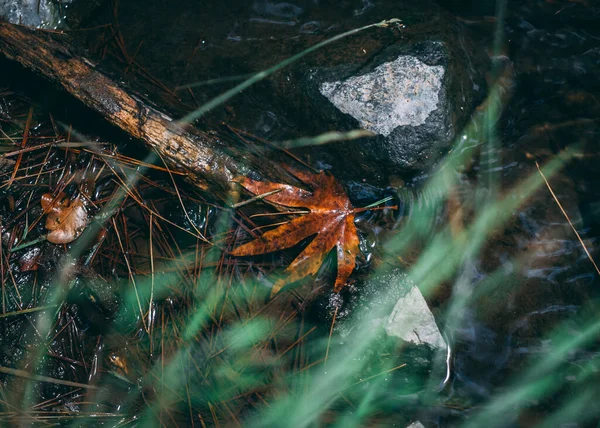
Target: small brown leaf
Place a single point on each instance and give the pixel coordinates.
(66, 218)
(331, 218)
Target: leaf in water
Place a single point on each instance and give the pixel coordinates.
(331, 218)
(66, 218)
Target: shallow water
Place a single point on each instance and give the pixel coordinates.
(516, 298)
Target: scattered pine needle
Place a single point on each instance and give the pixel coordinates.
(40, 378)
(255, 198)
(330, 334)
(568, 219)
(379, 374)
(27, 311)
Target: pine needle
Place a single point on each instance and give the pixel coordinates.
(568, 219)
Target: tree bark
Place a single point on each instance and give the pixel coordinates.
(185, 149)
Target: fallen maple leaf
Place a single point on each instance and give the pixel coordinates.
(331, 218)
(66, 218)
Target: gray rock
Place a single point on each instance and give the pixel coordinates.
(402, 92)
(367, 325)
(412, 321)
(391, 304)
(414, 97)
(375, 319)
(32, 13)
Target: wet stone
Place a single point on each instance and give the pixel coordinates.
(403, 92)
(390, 302)
(32, 13)
(412, 321)
(388, 318)
(415, 98)
(47, 14)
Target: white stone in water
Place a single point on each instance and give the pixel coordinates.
(412, 321)
(31, 13)
(416, 424)
(398, 93)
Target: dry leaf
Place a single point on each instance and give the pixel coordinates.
(331, 218)
(66, 218)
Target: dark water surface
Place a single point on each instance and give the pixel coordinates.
(520, 312)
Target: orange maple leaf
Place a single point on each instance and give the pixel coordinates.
(331, 218)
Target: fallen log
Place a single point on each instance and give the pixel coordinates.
(188, 150)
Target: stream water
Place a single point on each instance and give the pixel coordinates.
(520, 310)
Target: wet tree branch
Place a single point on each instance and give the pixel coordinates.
(185, 149)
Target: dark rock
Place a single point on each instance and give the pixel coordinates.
(77, 11)
(414, 97)
(6, 164)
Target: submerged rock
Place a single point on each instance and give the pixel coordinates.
(415, 98)
(47, 14)
(391, 303)
(412, 321)
(31, 13)
(385, 320)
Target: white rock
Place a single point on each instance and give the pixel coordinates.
(416, 424)
(412, 321)
(31, 13)
(398, 93)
